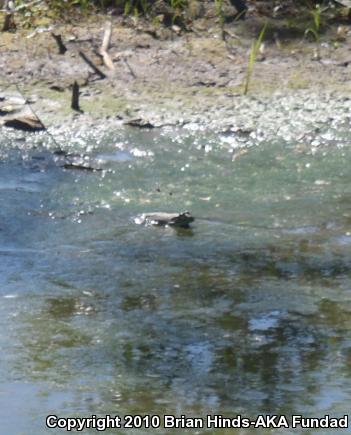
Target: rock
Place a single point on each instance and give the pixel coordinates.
(181, 220)
(24, 123)
(176, 29)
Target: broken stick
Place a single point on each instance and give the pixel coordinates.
(61, 46)
(92, 66)
(75, 97)
(130, 69)
(105, 46)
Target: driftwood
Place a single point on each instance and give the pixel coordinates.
(75, 97)
(105, 46)
(61, 46)
(92, 66)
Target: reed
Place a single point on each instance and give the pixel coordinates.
(252, 58)
(315, 28)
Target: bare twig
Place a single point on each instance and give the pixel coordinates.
(92, 66)
(34, 113)
(130, 69)
(231, 34)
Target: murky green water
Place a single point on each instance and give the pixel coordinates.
(247, 313)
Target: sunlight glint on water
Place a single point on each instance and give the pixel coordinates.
(248, 312)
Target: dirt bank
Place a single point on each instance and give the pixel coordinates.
(165, 76)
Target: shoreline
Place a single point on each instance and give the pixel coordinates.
(192, 80)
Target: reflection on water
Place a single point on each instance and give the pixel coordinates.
(249, 312)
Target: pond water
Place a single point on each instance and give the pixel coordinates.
(248, 312)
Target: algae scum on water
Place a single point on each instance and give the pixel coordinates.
(247, 312)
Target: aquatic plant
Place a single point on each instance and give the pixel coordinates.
(177, 7)
(314, 30)
(127, 7)
(220, 15)
(178, 4)
(252, 58)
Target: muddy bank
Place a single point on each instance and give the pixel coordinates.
(168, 77)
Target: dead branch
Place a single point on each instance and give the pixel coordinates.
(130, 69)
(75, 97)
(92, 66)
(105, 46)
(107, 36)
